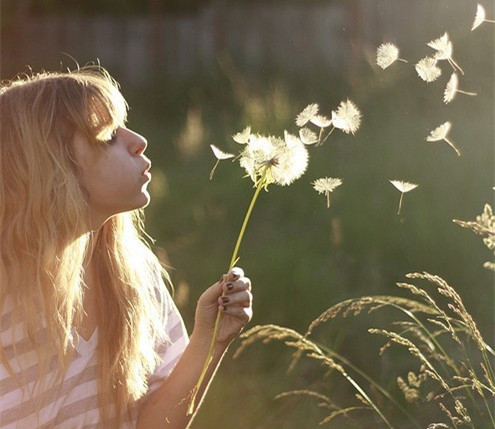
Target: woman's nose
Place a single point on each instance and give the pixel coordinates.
(138, 143)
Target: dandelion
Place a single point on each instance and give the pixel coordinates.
(387, 54)
(326, 185)
(243, 136)
(267, 160)
(480, 17)
(305, 116)
(440, 133)
(347, 117)
(274, 160)
(444, 49)
(403, 187)
(427, 69)
(321, 121)
(307, 136)
(452, 88)
(219, 155)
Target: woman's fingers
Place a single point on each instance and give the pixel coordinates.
(243, 313)
(233, 275)
(243, 298)
(243, 283)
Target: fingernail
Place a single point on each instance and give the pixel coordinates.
(229, 286)
(225, 299)
(236, 272)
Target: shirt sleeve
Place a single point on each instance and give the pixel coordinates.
(170, 350)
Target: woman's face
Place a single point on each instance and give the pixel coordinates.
(115, 176)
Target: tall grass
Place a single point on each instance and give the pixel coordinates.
(450, 378)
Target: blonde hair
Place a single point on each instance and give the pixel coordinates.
(46, 240)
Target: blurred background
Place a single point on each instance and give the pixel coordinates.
(196, 72)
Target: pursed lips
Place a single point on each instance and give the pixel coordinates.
(148, 166)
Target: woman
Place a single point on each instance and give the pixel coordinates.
(89, 335)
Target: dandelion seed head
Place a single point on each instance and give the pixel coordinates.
(286, 160)
(243, 136)
(427, 69)
(386, 55)
(479, 18)
(220, 154)
(451, 88)
(307, 136)
(443, 47)
(326, 184)
(403, 186)
(321, 121)
(305, 116)
(439, 133)
(347, 117)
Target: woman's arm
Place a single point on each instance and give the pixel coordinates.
(167, 406)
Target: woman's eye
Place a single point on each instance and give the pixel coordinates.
(113, 138)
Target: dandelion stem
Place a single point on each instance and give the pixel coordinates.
(401, 59)
(466, 92)
(326, 137)
(196, 388)
(213, 169)
(400, 202)
(455, 65)
(452, 146)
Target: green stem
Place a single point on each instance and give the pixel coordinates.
(209, 358)
(370, 380)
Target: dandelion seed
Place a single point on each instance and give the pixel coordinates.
(444, 49)
(326, 185)
(347, 117)
(480, 17)
(321, 121)
(427, 69)
(387, 54)
(305, 116)
(403, 187)
(284, 160)
(440, 133)
(243, 136)
(307, 136)
(452, 88)
(219, 155)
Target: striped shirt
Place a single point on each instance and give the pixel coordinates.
(72, 403)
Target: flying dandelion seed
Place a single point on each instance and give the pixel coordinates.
(307, 136)
(444, 49)
(347, 117)
(284, 160)
(321, 121)
(305, 116)
(326, 185)
(219, 155)
(243, 136)
(427, 69)
(403, 188)
(440, 133)
(387, 54)
(480, 17)
(452, 89)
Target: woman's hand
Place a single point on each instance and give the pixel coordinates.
(232, 296)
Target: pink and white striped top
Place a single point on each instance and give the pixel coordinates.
(72, 403)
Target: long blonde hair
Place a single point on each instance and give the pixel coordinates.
(45, 238)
